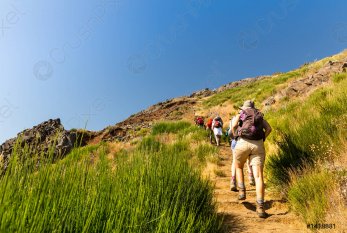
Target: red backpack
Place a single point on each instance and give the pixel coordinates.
(217, 124)
(251, 125)
(199, 121)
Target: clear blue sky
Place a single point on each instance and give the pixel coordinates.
(101, 61)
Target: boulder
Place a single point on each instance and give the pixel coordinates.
(270, 101)
(41, 139)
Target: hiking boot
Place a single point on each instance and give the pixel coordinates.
(242, 194)
(251, 179)
(260, 210)
(233, 185)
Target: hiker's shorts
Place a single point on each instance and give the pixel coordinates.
(252, 149)
(218, 131)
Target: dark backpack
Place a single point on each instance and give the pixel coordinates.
(219, 119)
(251, 126)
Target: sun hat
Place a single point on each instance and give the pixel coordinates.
(247, 104)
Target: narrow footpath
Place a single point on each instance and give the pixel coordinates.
(240, 216)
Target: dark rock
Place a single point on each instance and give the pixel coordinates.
(308, 83)
(269, 101)
(47, 136)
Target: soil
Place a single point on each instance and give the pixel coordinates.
(240, 216)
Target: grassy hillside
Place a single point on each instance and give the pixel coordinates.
(307, 159)
(151, 188)
(258, 90)
(311, 141)
(156, 182)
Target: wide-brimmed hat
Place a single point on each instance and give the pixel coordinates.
(247, 104)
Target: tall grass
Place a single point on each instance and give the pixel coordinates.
(170, 127)
(308, 195)
(150, 189)
(307, 132)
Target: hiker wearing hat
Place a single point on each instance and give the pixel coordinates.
(233, 186)
(252, 131)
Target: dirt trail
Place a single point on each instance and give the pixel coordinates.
(240, 216)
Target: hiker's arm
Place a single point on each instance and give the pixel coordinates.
(235, 124)
(267, 128)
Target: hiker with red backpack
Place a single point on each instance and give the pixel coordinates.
(251, 132)
(233, 186)
(199, 121)
(217, 127)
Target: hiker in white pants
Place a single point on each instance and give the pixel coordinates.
(217, 127)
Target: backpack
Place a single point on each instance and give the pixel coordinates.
(251, 126)
(218, 118)
(199, 121)
(217, 124)
(209, 123)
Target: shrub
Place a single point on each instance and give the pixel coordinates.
(150, 189)
(309, 195)
(204, 150)
(169, 127)
(312, 131)
(150, 145)
(339, 77)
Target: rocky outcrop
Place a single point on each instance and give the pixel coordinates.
(322, 76)
(305, 85)
(49, 137)
(202, 93)
(240, 83)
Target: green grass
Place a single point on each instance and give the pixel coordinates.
(150, 189)
(339, 77)
(308, 131)
(309, 195)
(204, 150)
(170, 127)
(258, 90)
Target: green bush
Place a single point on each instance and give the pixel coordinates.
(150, 189)
(150, 145)
(309, 195)
(307, 132)
(169, 127)
(204, 150)
(339, 77)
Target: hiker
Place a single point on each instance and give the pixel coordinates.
(228, 137)
(217, 127)
(233, 168)
(199, 121)
(209, 128)
(252, 132)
